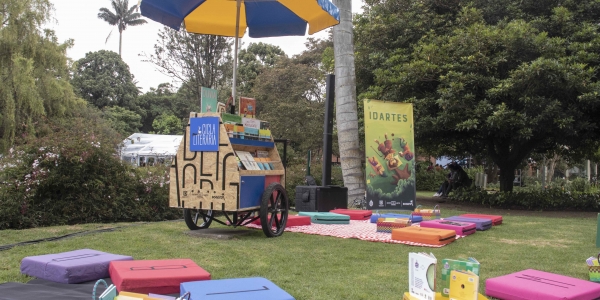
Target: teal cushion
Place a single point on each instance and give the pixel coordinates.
(325, 216)
(331, 221)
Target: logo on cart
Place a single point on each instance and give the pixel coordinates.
(204, 134)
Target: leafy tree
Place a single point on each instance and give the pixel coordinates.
(121, 17)
(34, 72)
(253, 60)
(123, 120)
(103, 79)
(195, 60)
(292, 103)
(167, 124)
(508, 85)
(155, 102)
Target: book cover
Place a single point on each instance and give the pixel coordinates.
(449, 265)
(231, 119)
(247, 160)
(110, 293)
(248, 107)
(421, 275)
(221, 108)
(208, 100)
(464, 285)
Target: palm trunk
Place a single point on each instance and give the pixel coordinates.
(120, 41)
(345, 98)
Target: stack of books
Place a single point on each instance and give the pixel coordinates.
(254, 161)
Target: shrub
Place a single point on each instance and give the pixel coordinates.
(72, 175)
(531, 199)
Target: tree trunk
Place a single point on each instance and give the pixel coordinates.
(507, 176)
(345, 98)
(120, 41)
(551, 166)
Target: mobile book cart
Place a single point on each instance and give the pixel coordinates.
(210, 185)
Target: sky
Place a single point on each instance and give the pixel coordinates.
(77, 20)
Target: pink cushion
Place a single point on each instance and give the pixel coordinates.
(536, 285)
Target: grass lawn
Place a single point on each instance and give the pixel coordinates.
(319, 267)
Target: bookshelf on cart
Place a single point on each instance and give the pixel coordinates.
(228, 166)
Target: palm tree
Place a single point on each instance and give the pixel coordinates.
(345, 99)
(122, 17)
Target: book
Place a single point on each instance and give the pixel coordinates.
(221, 108)
(248, 107)
(464, 285)
(110, 293)
(123, 297)
(449, 265)
(247, 160)
(231, 119)
(208, 100)
(421, 275)
(137, 296)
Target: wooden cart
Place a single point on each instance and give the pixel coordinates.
(210, 186)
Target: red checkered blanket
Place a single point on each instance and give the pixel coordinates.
(362, 230)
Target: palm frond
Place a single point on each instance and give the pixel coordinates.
(136, 22)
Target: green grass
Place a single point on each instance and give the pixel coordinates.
(319, 267)
(428, 194)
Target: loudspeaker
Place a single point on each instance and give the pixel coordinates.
(321, 198)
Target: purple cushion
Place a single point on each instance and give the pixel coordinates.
(70, 267)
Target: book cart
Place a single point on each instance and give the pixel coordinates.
(212, 186)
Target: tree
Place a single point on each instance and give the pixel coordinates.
(293, 103)
(253, 60)
(195, 60)
(122, 17)
(34, 71)
(345, 98)
(103, 79)
(167, 124)
(508, 85)
(122, 120)
(155, 102)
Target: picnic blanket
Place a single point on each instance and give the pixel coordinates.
(362, 230)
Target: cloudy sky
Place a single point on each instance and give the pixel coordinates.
(77, 20)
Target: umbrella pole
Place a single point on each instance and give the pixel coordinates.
(235, 54)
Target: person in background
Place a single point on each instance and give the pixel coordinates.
(430, 168)
(458, 178)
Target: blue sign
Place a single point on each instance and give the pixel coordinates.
(204, 134)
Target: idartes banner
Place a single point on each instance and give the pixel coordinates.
(390, 155)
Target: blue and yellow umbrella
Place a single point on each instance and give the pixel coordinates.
(262, 18)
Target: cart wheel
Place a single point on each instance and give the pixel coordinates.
(193, 216)
(274, 210)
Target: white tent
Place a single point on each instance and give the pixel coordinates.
(142, 148)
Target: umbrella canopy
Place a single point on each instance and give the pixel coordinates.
(263, 18)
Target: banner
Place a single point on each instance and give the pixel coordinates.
(390, 158)
(208, 100)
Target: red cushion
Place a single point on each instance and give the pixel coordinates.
(355, 214)
(293, 220)
(154, 276)
(496, 219)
